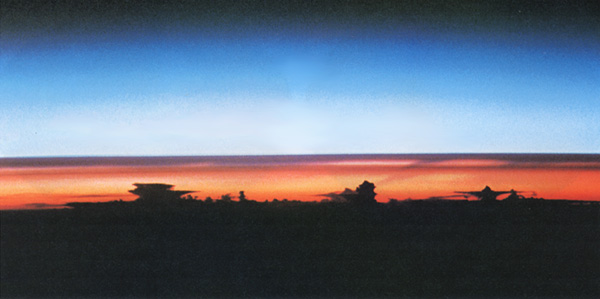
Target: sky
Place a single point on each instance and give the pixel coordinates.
(127, 78)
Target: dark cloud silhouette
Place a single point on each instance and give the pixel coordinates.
(363, 194)
(157, 193)
(42, 206)
(339, 196)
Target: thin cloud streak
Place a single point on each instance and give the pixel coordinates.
(435, 160)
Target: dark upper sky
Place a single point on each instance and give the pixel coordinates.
(33, 20)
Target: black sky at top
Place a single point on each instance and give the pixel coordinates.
(24, 22)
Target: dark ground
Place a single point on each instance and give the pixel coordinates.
(253, 249)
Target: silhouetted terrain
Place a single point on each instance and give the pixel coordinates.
(419, 248)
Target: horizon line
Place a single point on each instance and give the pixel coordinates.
(297, 155)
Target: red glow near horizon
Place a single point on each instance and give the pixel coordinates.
(31, 185)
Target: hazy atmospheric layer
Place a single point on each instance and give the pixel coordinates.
(28, 181)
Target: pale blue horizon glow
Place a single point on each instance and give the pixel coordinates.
(258, 96)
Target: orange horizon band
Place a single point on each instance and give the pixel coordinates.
(302, 181)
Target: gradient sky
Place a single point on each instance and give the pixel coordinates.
(236, 77)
